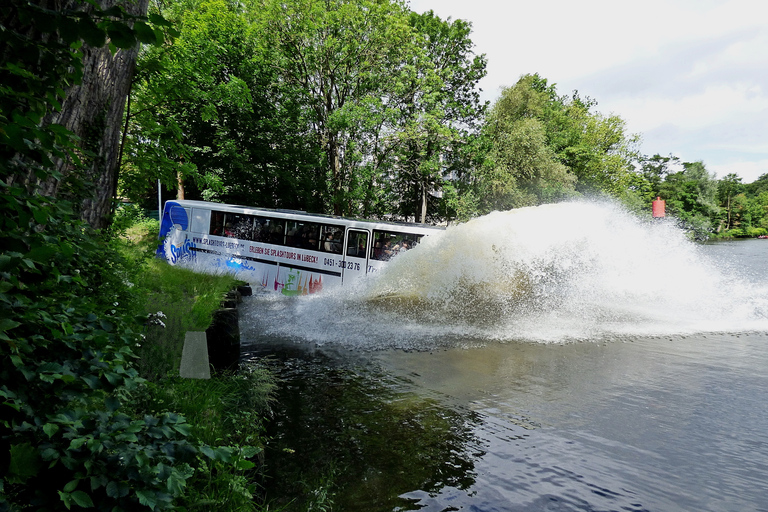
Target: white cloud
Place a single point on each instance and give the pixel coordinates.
(690, 75)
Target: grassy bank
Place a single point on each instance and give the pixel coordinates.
(226, 412)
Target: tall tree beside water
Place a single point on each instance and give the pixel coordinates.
(66, 325)
(345, 58)
(521, 168)
(90, 106)
(209, 113)
(336, 106)
(542, 146)
(440, 112)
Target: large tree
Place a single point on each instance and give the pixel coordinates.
(543, 146)
(345, 57)
(520, 168)
(209, 113)
(92, 104)
(440, 110)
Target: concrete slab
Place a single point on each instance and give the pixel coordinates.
(194, 356)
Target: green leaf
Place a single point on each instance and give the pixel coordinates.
(121, 35)
(66, 498)
(183, 428)
(68, 29)
(113, 378)
(77, 443)
(41, 215)
(115, 10)
(71, 486)
(92, 381)
(112, 403)
(208, 452)
(49, 454)
(113, 491)
(144, 33)
(24, 463)
(244, 464)
(224, 453)
(147, 498)
(158, 20)
(82, 499)
(50, 429)
(6, 324)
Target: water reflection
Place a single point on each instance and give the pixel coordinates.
(358, 438)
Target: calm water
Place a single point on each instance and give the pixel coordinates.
(613, 367)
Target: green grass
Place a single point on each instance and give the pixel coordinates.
(226, 412)
(178, 299)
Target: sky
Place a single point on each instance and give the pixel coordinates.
(689, 76)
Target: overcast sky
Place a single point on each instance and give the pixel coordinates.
(689, 76)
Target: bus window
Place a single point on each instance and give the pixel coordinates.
(309, 236)
(200, 220)
(237, 225)
(357, 241)
(217, 223)
(332, 238)
(277, 231)
(293, 233)
(387, 244)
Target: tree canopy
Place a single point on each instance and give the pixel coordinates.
(368, 109)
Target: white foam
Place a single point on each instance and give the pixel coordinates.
(571, 271)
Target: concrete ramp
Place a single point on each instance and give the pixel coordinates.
(194, 356)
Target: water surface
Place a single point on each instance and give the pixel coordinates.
(615, 366)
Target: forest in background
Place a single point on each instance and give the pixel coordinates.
(367, 109)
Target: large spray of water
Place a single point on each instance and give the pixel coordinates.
(575, 271)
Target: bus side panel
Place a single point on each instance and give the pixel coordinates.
(175, 245)
(302, 281)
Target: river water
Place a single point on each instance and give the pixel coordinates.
(556, 358)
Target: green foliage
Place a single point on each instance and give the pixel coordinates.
(520, 168)
(542, 147)
(227, 414)
(723, 208)
(68, 322)
(208, 110)
(42, 57)
(440, 110)
(181, 301)
(68, 328)
(354, 107)
(346, 61)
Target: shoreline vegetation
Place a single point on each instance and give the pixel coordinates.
(227, 412)
(95, 414)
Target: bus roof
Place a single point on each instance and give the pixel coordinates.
(286, 213)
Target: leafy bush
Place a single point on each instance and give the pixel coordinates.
(67, 329)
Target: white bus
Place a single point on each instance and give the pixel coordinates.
(292, 252)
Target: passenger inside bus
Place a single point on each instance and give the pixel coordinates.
(331, 245)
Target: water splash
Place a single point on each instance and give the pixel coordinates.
(573, 271)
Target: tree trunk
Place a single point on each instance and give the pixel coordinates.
(93, 111)
(335, 166)
(179, 185)
(423, 210)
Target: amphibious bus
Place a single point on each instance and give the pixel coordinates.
(292, 252)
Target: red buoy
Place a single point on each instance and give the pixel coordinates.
(659, 208)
